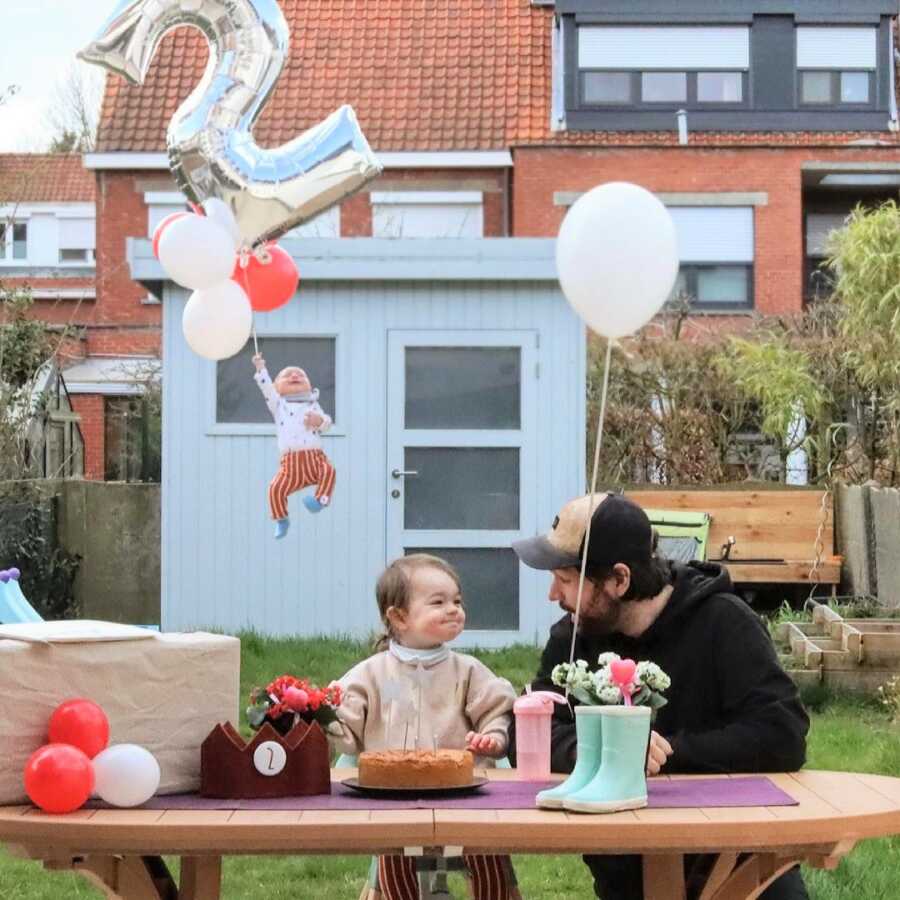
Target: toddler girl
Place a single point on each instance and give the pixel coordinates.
(417, 693)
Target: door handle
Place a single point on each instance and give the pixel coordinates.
(399, 473)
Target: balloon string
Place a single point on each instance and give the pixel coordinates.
(590, 508)
(255, 343)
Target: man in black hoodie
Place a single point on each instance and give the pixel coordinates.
(731, 707)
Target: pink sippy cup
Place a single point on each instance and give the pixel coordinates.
(534, 713)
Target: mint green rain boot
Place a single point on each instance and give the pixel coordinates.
(587, 760)
(620, 782)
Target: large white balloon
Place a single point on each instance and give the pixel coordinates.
(217, 322)
(197, 252)
(125, 775)
(219, 211)
(617, 257)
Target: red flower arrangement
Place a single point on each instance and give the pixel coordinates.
(287, 700)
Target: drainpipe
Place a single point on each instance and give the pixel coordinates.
(681, 116)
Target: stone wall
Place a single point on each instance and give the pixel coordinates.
(868, 537)
(115, 528)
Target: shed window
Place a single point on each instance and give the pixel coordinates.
(238, 398)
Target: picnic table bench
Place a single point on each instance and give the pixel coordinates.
(760, 536)
(121, 849)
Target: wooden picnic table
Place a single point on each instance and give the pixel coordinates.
(121, 850)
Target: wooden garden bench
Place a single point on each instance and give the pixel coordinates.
(761, 536)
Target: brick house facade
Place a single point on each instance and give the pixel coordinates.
(522, 105)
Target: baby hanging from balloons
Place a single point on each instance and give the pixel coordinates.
(299, 420)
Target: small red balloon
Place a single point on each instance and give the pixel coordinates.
(166, 222)
(268, 284)
(58, 778)
(82, 724)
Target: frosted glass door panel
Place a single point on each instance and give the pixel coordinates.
(463, 387)
(459, 488)
(490, 584)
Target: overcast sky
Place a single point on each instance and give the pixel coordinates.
(40, 39)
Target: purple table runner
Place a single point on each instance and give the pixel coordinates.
(662, 794)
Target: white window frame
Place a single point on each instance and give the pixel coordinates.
(6, 248)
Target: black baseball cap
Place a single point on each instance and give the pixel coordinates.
(620, 532)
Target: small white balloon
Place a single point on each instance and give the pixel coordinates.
(220, 213)
(125, 775)
(196, 252)
(617, 257)
(217, 322)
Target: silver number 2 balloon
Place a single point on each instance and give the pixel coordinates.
(212, 152)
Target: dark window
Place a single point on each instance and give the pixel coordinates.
(75, 255)
(132, 439)
(828, 88)
(716, 286)
(820, 278)
(720, 87)
(608, 87)
(20, 241)
(636, 89)
(238, 399)
(663, 87)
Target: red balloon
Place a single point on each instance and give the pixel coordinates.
(82, 724)
(58, 778)
(166, 222)
(271, 284)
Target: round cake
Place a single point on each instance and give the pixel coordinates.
(416, 768)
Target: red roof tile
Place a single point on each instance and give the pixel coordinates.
(421, 75)
(45, 178)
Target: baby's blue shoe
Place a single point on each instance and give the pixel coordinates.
(313, 505)
(281, 528)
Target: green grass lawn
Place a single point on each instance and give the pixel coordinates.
(846, 734)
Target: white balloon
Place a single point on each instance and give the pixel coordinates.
(617, 257)
(125, 775)
(220, 213)
(196, 252)
(217, 322)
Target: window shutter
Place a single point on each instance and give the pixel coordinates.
(714, 234)
(77, 234)
(677, 49)
(427, 214)
(837, 48)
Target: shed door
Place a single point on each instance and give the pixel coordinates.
(461, 432)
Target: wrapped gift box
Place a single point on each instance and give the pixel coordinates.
(165, 692)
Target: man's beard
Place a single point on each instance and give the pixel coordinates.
(598, 618)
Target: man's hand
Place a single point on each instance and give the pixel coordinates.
(259, 362)
(313, 420)
(658, 754)
(482, 744)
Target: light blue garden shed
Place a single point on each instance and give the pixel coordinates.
(454, 371)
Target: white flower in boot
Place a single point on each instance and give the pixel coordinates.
(653, 676)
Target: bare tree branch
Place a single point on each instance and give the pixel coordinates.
(74, 110)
